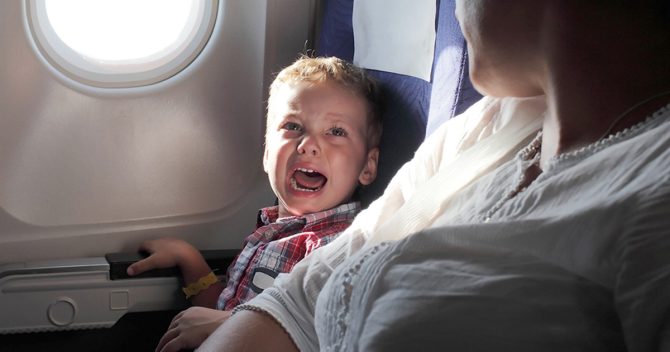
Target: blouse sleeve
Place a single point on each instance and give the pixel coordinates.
(292, 298)
(642, 291)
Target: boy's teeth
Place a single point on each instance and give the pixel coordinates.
(295, 186)
(307, 180)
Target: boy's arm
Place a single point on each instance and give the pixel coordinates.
(171, 252)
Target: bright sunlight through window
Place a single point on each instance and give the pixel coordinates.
(121, 43)
(118, 30)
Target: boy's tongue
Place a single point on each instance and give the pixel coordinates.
(311, 180)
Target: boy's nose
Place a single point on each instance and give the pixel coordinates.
(309, 146)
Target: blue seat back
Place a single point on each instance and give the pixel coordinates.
(413, 108)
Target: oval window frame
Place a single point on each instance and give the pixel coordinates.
(131, 73)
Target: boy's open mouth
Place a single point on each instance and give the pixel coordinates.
(307, 180)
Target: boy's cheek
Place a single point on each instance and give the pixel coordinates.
(265, 158)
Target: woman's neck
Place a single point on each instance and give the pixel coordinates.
(589, 93)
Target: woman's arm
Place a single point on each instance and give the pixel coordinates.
(291, 300)
(292, 297)
(249, 331)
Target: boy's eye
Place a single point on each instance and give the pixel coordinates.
(291, 126)
(338, 131)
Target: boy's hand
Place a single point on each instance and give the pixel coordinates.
(170, 252)
(165, 253)
(190, 328)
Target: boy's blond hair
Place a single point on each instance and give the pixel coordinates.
(333, 69)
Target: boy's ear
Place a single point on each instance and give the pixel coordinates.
(369, 172)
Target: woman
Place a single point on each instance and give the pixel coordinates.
(564, 247)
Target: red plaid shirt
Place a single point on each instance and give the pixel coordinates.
(276, 246)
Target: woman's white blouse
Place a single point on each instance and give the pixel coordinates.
(580, 260)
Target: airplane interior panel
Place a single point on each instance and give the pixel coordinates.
(88, 170)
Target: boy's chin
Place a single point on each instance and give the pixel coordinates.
(308, 206)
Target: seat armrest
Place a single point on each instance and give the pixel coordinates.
(218, 260)
(85, 293)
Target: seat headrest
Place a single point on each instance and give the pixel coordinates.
(413, 108)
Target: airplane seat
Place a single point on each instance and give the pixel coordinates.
(412, 107)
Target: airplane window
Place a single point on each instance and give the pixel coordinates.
(120, 43)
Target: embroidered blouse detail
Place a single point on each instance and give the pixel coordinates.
(651, 121)
(530, 155)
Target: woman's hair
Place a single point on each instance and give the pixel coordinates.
(333, 69)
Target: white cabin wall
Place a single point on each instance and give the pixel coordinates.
(86, 171)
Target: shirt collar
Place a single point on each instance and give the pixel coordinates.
(270, 215)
